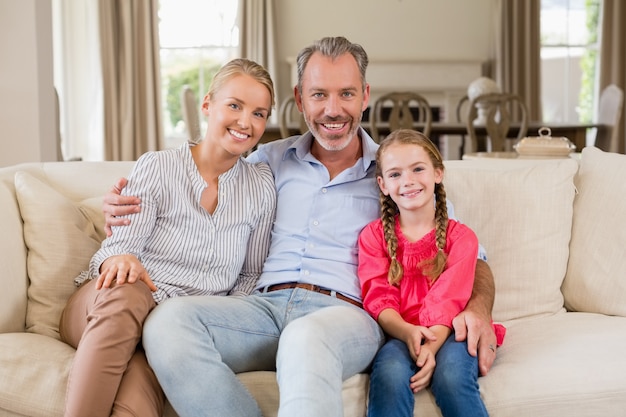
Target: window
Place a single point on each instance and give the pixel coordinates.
(569, 49)
(196, 38)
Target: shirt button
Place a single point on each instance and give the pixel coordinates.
(324, 190)
(316, 223)
(306, 272)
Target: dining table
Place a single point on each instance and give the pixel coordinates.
(575, 132)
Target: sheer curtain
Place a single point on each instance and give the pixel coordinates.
(129, 43)
(77, 78)
(518, 52)
(258, 38)
(613, 54)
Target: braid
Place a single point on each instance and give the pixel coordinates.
(441, 215)
(441, 231)
(388, 211)
(432, 268)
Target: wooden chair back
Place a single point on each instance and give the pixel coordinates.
(496, 109)
(290, 120)
(462, 108)
(407, 110)
(191, 114)
(609, 116)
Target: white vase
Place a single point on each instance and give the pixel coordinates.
(480, 86)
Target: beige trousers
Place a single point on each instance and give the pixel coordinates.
(110, 375)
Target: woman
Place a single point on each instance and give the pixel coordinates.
(204, 229)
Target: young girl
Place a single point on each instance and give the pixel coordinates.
(204, 229)
(416, 269)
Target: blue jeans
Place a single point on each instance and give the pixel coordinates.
(454, 383)
(196, 345)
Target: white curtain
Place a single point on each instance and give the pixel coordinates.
(78, 78)
(106, 65)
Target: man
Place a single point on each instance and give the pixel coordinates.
(304, 319)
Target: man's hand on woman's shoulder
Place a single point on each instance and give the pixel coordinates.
(114, 204)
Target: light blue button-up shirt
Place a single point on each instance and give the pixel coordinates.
(318, 220)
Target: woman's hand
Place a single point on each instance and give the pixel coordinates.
(122, 269)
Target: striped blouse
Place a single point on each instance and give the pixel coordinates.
(185, 249)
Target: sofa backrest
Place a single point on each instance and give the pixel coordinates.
(42, 217)
(13, 277)
(521, 211)
(596, 273)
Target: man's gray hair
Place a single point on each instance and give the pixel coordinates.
(333, 47)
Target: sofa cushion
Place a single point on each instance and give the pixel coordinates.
(34, 374)
(13, 278)
(596, 273)
(35, 371)
(61, 236)
(561, 365)
(524, 225)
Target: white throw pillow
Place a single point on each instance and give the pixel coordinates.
(61, 236)
(521, 211)
(596, 273)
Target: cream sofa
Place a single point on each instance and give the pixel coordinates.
(555, 232)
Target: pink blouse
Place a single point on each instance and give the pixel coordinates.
(417, 300)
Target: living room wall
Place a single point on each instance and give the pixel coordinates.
(388, 29)
(27, 106)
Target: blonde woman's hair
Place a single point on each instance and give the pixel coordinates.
(243, 66)
(432, 268)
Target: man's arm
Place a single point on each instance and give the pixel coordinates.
(114, 204)
(474, 323)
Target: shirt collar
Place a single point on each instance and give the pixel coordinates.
(193, 171)
(302, 147)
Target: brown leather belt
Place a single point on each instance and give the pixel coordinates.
(314, 288)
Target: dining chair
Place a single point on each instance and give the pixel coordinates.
(493, 111)
(191, 114)
(290, 119)
(462, 107)
(407, 110)
(57, 122)
(59, 137)
(609, 117)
